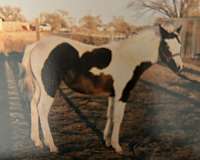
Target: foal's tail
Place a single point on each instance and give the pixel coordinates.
(25, 83)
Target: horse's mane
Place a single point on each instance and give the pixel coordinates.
(143, 36)
(145, 32)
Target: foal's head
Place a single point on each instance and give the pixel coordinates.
(170, 49)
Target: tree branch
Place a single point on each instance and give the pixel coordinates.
(168, 8)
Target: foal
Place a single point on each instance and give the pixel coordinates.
(110, 70)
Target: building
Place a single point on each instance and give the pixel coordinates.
(191, 31)
(12, 26)
(193, 8)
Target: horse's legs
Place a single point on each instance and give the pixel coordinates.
(118, 115)
(44, 107)
(35, 136)
(109, 122)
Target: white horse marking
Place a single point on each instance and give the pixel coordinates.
(109, 124)
(175, 48)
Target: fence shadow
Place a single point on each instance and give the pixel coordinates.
(170, 92)
(192, 71)
(83, 118)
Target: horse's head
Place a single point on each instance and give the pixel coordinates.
(170, 49)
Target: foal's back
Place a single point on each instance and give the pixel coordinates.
(142, 46)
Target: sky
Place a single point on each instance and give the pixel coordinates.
(76, 8)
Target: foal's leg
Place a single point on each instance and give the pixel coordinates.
(35, 136)
(118, 115)
(44, 107)
(109, 122)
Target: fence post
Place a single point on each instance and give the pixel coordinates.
(37, 29)
(184, 38)
(194, 30)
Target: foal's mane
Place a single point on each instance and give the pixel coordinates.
(143, 37)
(145, 32)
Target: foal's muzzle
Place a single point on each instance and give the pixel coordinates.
(172, 65)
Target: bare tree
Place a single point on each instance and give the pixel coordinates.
(166, 8)
(175, 9)
(90, 22)
(65, 15)
(56, 20)
(121, 26)
(12, 13)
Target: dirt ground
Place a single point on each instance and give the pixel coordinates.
(161, 122)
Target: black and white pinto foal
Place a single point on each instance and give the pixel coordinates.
(110, 70)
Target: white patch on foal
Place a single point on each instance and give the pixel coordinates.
(175, 47)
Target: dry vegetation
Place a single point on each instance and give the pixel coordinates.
(12, 42)
(15, 42)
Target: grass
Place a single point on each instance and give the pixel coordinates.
(16, 41)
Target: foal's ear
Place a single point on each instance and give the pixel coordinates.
(178, 30)
(163, 32)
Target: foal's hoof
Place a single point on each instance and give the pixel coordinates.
(107, 142)
(53, 149)
(118, 150)
(39, 144)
